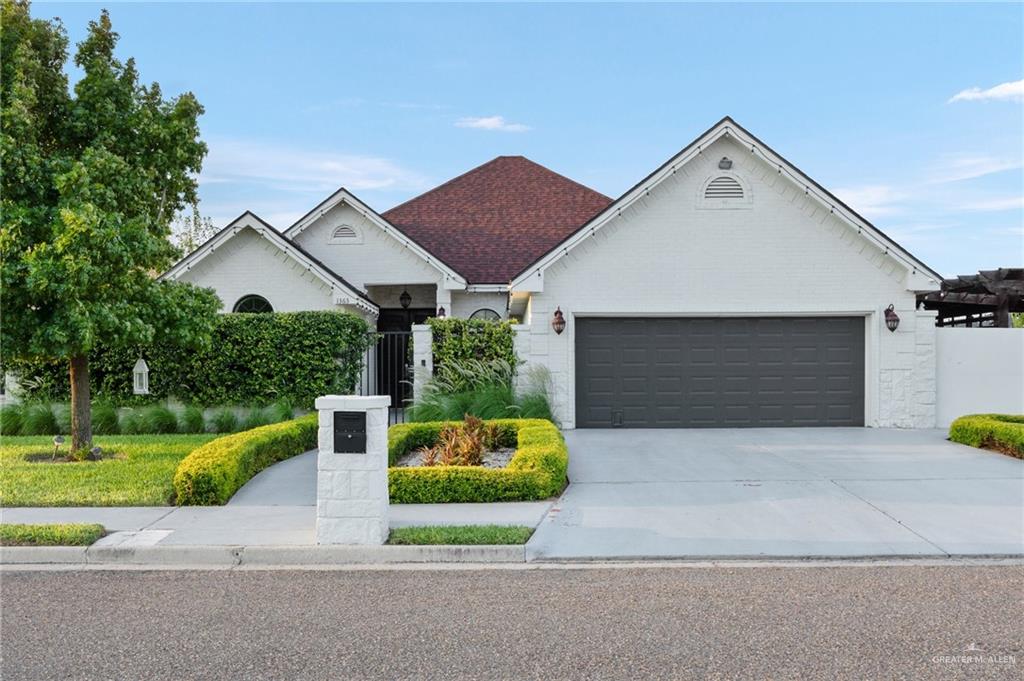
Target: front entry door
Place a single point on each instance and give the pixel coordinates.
(394, 352)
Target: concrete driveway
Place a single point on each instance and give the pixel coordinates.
(785, 492)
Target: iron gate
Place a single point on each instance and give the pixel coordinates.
(388, 370)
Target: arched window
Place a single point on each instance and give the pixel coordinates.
(253, 303)
(486, 314)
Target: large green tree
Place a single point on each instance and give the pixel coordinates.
(91, 181)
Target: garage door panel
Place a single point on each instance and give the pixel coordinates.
(720, 372)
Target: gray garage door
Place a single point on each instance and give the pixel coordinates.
(719, 372)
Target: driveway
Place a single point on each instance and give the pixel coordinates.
(782, 492)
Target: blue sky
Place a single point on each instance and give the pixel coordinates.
(390, 100)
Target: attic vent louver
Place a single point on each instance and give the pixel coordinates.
(344, 232)
(723, 188)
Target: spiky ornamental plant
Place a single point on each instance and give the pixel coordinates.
(91, 182)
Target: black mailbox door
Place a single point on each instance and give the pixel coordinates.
(350, 432)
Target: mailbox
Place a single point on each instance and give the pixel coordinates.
(350, 432)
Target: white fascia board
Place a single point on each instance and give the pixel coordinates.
(487, 288)
(452, 279)
(532, 279)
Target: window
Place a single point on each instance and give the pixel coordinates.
(346, 234)
(253, 303)
(486, 314)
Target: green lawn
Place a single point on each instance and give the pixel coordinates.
(71, 534)
(460, 534)
(139, 473)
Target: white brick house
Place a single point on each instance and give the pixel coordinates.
(725, 289)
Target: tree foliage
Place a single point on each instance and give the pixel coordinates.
(92, 178)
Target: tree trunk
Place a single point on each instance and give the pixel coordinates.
(81, 413)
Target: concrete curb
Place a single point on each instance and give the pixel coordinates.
(262, 556)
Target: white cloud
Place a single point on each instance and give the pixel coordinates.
(295, 169)
(490, 123)
(994, 205)
(873, 200)
(1013, 90)
(957, 168)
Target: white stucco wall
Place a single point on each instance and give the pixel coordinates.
(465, 303)
(378, 260)
(249, 264)
(783, 254)
(978, 371)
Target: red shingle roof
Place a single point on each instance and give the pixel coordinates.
(491, 222)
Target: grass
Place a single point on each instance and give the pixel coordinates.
(136, 470)
(460, 535)
(70, 534)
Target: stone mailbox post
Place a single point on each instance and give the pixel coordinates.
(352, 470)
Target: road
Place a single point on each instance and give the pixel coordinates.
(587, 623)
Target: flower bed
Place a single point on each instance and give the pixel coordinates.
(1001, 432)
(537, 469)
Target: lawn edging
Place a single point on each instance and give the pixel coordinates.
(1001, 432)
(537, 469)
(211, 474)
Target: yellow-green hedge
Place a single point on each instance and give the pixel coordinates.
(1003, 432)
(537, 469)
(211, 474)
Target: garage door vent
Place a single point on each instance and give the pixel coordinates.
(723, 187)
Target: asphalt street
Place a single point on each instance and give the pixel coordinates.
(582, 623)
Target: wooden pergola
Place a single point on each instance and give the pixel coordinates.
(983, 299)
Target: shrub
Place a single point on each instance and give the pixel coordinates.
(159, 420)
(215, 471)
(482, 389)
(224, 421)
(39, 419)
(104, 419)
(458, 340)
(191, 420)
(282, 410)
(255, 419)
(11, 419)
(537, 469)
(62, 414)
(1001, 432)
(244, 364)
(132, 423)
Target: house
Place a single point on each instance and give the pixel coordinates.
(725, 289)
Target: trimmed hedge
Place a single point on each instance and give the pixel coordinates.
(537, 469)
(253, 359)
(456, 340)
(1001, 432)
(211, 474)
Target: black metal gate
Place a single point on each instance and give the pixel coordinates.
(388, 370)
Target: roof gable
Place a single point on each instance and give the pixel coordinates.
(249, 220)
(728, 128)
(492, 221)
(343, 195)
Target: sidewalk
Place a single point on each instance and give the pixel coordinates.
(239, 524)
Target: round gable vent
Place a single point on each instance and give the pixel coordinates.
(723, 187)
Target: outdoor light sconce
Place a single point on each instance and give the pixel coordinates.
(558, 322)
(405, 299)
(141, 376)
(725, 163)
(440, 312)
(892, 320)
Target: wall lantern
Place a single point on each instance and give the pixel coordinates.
(141, 376)
(405, 299)
(892, 320)
(440, 312)
(558, 322)
(725, 163)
